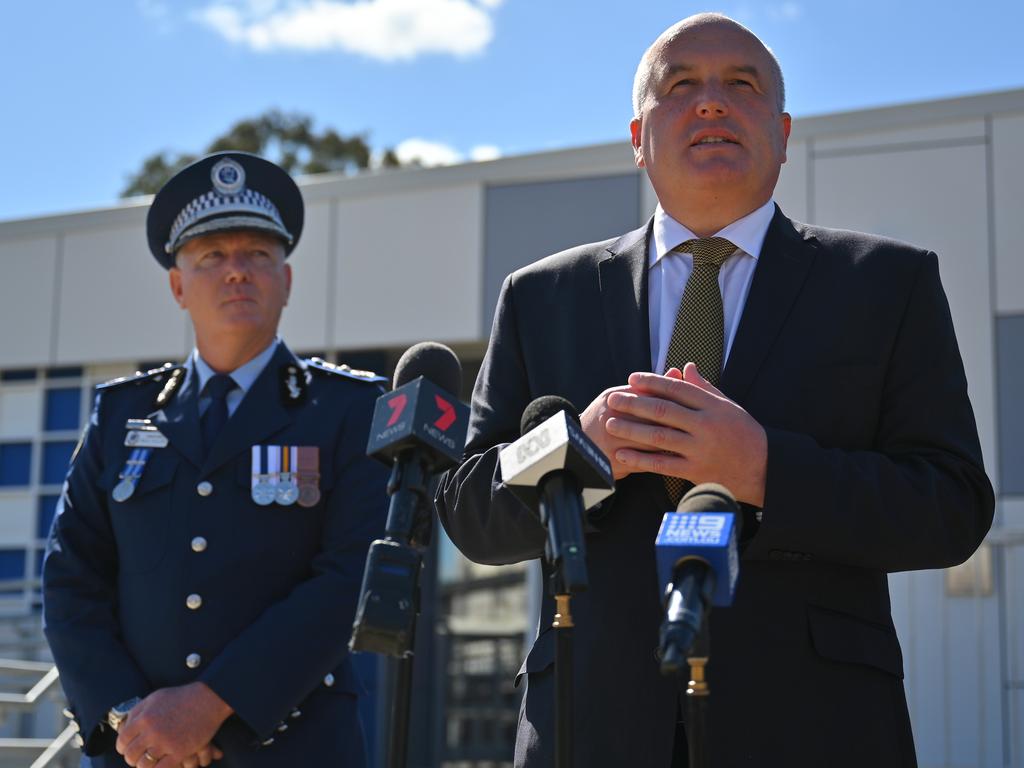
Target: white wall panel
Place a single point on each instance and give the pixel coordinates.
(935, 199)
(115, 303)
(26, 300)
(304, 322)
(1008, 186)
(21, 410)
(409, 268)
(791, 191)
(957, 130)
(17, 518)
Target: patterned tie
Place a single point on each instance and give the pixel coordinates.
(699, 332)
(216, 414)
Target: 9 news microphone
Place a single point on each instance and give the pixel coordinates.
(557, 471)
(420, 429)
(698, 563)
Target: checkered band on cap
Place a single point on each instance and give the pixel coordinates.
(246, 207)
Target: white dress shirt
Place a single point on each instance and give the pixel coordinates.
(669, 271)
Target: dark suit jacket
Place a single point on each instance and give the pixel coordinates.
(278, 584)
(846, 354)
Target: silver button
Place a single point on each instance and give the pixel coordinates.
(329, 680)
(79, 741)
(74, 724)
(296, 713)
(198, 544)
(268, 742)
(193, 660)
(68, 713)
(282, 727)
(194, 601)
(205, 488)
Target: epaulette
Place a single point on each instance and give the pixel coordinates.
(317, 364)
(139, 377)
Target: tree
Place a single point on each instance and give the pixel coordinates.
(288, 139)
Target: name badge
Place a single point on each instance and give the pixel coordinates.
(143, 434)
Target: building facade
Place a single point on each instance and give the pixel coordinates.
(390, 259)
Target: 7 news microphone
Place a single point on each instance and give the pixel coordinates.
(558, 472)
(698, 564)
(420, 429)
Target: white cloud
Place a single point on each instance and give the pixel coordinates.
(388, 30)
(433, 153)
(788, 11)
(428, 153)
(483, 152)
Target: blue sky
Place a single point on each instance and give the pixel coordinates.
(89, 89)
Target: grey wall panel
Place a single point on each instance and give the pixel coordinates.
(525, 222)
(1010, 378)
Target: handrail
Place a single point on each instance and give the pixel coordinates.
(55, 747)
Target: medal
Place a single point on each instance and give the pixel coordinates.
(287, 487)
(307, 471)
(263, 490)
(130, 474)
(123, 490)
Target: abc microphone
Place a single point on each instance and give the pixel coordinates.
(557, 471)
(420, 429)
(698, 563)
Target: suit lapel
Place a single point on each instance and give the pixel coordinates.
(782, 268)
(623, 286)
(623, 276)
(179, 422)
(260, 414)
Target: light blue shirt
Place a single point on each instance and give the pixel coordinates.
(669, 271)
(245, 376)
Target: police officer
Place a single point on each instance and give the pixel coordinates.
(203, 568)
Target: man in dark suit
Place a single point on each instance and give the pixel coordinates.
(840, 420)
(203, 568)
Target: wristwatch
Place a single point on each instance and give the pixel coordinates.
(119, 712)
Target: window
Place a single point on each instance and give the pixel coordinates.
(56, 458)
(12, 568)
(44, 516)
(63, 409)
(15, 463)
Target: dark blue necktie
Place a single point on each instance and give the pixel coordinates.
(216, 414)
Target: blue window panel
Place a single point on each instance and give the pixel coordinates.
(24, 374)
(66, 372)
(12, 568)
(47, 506)
(15, 463)
(56, 458)
(63, 408)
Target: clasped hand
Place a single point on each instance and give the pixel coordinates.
(172, 728)
(680, 425)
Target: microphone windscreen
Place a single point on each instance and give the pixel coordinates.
(435, 362)
(542, 409)
(708, 497)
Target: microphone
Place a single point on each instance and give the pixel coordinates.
(698, 563)
(558, 472)
(419, 428)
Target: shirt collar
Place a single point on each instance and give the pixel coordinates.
(747, 233)
(245, 375)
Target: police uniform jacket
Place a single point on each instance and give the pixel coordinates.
(189, 579)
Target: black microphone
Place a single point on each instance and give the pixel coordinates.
(419, 428)
(557, 471)
(698, 563)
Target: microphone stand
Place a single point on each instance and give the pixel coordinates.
(407, 518)
(698, 701)
(567, 577)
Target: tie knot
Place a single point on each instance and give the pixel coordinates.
(712, 251)
(219, 385)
